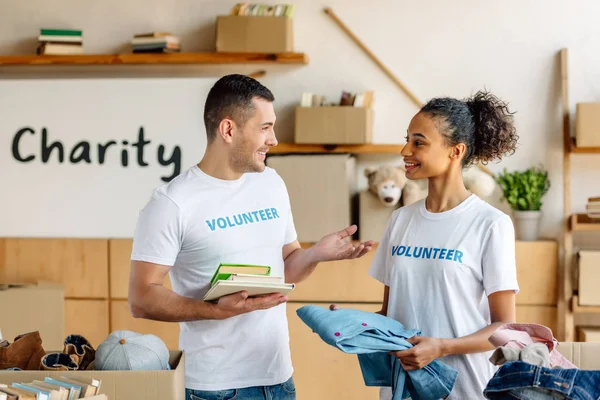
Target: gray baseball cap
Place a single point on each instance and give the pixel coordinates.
(126, 350)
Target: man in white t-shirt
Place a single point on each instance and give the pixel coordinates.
(229, 208)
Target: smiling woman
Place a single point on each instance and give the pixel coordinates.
(448, 261)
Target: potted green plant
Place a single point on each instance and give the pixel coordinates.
(524, 191)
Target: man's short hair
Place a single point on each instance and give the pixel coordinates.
(231, 96)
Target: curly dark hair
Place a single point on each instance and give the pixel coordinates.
(482, 122)
(231, 96)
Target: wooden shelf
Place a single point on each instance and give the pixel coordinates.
(150, 58)
(585, 150)
(286, 148)
(582, 309)
(581, 222)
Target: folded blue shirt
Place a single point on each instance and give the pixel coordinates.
(371, 336)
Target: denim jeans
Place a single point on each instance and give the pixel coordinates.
(283, 391)
(519, 380)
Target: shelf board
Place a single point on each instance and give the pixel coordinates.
(287, 148)
(582, 309)
(582, 150)
(153, 58)
(581, 222)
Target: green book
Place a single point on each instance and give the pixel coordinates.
(61, 32)
(224, 271)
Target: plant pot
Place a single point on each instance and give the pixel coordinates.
(527, 224)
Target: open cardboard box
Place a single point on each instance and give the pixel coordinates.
(29, 307)
(121, 385)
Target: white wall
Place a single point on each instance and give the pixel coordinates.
(436, 48)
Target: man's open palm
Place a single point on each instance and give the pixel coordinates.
(336, 246)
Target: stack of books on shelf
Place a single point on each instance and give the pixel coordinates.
(53, 388)
(263, 10)
(60, 42)
(256, 280)
(363, 99)
(593, 208)
(155, 42)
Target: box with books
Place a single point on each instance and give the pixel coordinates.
(155, 42)
(256, 28)
(98, 384)
(254, 279)
(348, 120)
(60, 42)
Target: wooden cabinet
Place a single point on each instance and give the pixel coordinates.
(88, 318)
(321, 371)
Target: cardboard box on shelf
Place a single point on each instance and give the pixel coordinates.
(333, 125)
(589, 334)
(254, 34)
(33, 307)
(589, 276)
(373, 216)
(121, 385)
(587, 131)
(320, 189)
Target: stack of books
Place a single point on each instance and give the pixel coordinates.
(363, 99)
(263, 10)
(60, 42)
(254, 279)
(155, 42)
(593, 208)
(54, 388)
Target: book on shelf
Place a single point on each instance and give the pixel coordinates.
(263, 10)
(592, 208)
(256, 280)
(155, 42)
(60, 42)
(360, 99)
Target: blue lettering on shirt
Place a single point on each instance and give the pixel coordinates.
(250, 217)
(428, 253)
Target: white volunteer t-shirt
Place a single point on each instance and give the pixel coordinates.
(195, 222)
(440, 268)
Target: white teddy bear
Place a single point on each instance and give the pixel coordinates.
(392, 187)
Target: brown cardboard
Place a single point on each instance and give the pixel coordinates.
(334, 125)
(589, 335)
(587, 125)
(584, 355)
(121, 385)
(537, 272)
(373, 216)
(320, 189)
(254, 34)
(589, 276)
(34, 307)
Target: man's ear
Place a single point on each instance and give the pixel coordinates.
(225, 129)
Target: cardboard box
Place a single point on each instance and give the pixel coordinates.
(334, 125)
(585, 356)
(34, 307)
(587, 125)
(373, 216)
(537, 272)
(121, 385)
(254, 34)
(320, 189)
(589, 276)
(589, 334)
